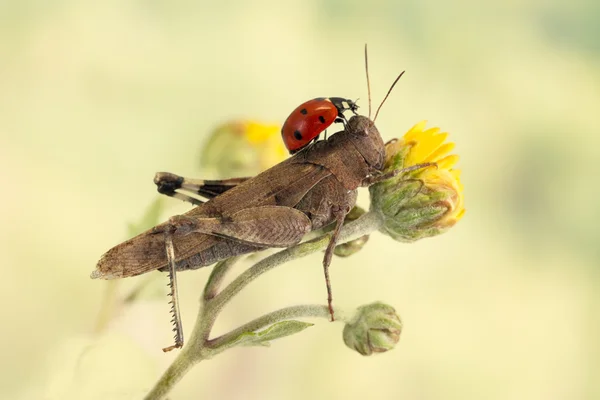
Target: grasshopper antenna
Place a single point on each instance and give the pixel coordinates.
(368, 81)
(386, 96)
(177, 328)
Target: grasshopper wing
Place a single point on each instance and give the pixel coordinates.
(270, 226)
(283, 185)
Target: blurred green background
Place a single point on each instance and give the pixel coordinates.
(95, 97)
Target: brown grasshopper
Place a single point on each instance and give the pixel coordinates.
(314, 188)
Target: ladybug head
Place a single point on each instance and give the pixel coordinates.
(343, 105)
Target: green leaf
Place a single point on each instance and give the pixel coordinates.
(275, 331)
(246, 339)
(283, 329)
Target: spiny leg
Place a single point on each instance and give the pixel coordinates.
(388, 175)
(327, 259)
(177, 328)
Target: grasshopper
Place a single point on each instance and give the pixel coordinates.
(314, 188)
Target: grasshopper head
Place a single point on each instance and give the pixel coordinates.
(365, 136)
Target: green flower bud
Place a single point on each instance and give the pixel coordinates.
(424, 202)
(242, 148)
(375, 328)
(349, 248)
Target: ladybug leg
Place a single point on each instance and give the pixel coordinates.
(342, 119)
(354, 107)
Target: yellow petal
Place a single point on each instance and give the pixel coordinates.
(414, 131)
(456, 174)
(431, 131)
(440, 152)
(448, 161)
(425, 145)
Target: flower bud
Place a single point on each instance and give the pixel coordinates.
(424, 202)
(349, 248)
(242, 148)
(375, 328)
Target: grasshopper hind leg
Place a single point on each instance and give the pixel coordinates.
(176, 320)
(176, 186)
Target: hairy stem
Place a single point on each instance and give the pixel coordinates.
(199, 347)
(364, 225)
(180, 366)
(216, 277)
(303, 311)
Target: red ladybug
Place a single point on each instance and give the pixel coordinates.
(309, 119)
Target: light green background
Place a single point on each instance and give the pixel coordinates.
(95, 97)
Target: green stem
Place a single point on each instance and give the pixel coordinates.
(199, 347)
(303, 311)
(364, 225)
(216, 277)
(180, 366)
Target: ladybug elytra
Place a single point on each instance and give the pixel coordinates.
(309, 119)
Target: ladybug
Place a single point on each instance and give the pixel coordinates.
(309, 119)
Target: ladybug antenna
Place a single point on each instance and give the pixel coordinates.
(386, 96)
(368, 82)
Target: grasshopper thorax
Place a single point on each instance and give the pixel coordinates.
(366, 138)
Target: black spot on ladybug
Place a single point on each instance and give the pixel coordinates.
(322, 119)
(304, 111)
(297, 135)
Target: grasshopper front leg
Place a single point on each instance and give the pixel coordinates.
(377, 176)
(340, 216)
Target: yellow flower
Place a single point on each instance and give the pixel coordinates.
(424, 202)
(268, 139)
(243, 148)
